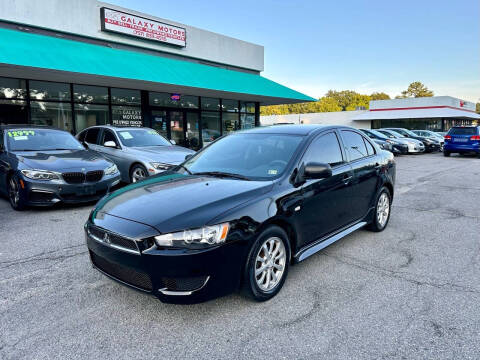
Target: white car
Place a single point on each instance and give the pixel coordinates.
(414, 146)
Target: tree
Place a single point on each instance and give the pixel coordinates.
(416, 89)
(379, 96)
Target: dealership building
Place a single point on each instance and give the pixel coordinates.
(75, 64)
(438, 113)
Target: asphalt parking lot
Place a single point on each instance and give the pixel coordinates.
(410, 292)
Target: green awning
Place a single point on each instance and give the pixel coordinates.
(42, 52)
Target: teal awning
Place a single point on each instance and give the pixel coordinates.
(41, 53)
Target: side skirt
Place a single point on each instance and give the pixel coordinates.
(325, 241)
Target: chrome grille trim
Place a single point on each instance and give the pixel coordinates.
(114, 246)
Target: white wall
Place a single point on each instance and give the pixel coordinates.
(83, 17)
(328, 118)
(422, 102)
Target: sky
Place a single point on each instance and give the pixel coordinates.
(365, 45)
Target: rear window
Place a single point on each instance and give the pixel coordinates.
(463, 131)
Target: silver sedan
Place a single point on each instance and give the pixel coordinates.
(137, 152)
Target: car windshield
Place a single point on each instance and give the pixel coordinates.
(141, 138)
(252, 156)
(379, 134)
(395, 134)
(408, 132)
(40, 140)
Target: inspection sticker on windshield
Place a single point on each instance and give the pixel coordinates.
(272, 172)
(153, 132)
(21, 134)
(126, 135)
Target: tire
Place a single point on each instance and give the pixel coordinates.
(446, 153)
(136, 171)
(272, 241)
(380, 221)
(14, 194)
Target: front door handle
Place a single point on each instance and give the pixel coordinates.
(346, 178)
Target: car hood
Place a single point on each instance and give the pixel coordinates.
(174, 202)
(60, 160)
(166, 154)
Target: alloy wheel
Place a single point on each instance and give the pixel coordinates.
(383, 209)
(138, 174)
(14, 191)
(270, 263)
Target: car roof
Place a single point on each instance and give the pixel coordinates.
(305, 129)
(29, 126)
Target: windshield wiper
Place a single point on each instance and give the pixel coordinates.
(222, 174)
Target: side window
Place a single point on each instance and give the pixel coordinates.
(324, 149)
(354, 144)
(92, 135)
(109, 136)
(370, 148)
(1, 140)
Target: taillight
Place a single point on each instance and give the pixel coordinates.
(448, 137)
(475, 137)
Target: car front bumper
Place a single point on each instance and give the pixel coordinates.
(400, 148)
(47, 193)
(416, 148)
(173, 276)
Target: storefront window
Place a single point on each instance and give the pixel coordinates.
(44, 90)
(90, 94)
(127, 116)
(54, 114)
(247, 121)
(210, 104)
(229, 105)
(125, 96)
(229, 122)
(173, 100)
(87, 115)
(210, 126)
(247, 107)
(12, 88)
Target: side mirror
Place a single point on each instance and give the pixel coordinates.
(317, 171)
(110, 144)
(188, 156)
(173, 142)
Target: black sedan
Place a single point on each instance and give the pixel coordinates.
(43, 166)
(240, 211)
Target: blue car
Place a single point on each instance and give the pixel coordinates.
(462, 140)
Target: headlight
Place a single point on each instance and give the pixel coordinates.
(197, 238)
(160, 166)
(111, 170)
(41, 175)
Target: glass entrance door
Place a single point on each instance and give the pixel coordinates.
(160, 122)
(177, 129)
(192, 133)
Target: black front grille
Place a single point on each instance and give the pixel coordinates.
(74, 177)
(114, 239)
(94, 176)
(185, 283)
(40, 196)
(75, 197)
(123, 273)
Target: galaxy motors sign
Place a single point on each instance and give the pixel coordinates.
(139, 27)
